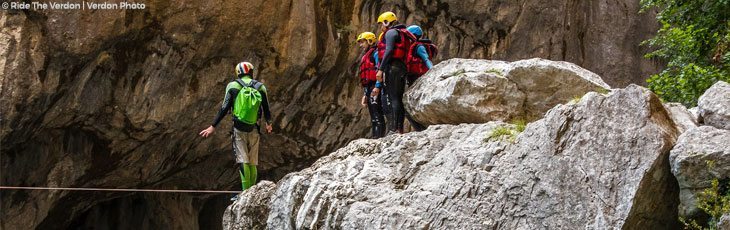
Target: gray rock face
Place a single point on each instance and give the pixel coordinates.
(682, 117)
(113, 98)
(690, 159)
(714, 105)
(477, 91)
(599, 164)
(254, 202)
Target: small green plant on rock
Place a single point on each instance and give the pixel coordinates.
(494, 71)
(714, 201)
(575, 99)
(458, 72)
(508, 131)
(603, 91)
(520, 124)
(500, 132)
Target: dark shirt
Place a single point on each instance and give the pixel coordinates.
(392, 37)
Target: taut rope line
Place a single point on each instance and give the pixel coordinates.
(116, 189)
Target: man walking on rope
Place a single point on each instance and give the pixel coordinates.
(245, 97)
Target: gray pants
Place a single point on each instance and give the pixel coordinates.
(246, 146)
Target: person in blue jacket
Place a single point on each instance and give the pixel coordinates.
(424, 62)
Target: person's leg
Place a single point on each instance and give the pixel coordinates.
(251, 173)
(396, 81)
(247, 182)
(242, 173)
(253, 156)
(388, 106)
(385, 108)
(373, 128)
(376, 115)
(379, 121)
(241, 148)
(416, 126)
(385, 102)
(410, 79)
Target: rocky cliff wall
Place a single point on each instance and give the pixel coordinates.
(115, 98)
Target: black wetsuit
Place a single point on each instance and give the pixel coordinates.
(395, 83)
(375, 107)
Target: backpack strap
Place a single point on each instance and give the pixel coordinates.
(253, 84)
(240, 82)
(413, 48)
(407, 35)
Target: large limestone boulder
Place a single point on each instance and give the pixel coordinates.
(714, 105)
(249, 211)
(477, 91)
(599, 164)
(701, 155)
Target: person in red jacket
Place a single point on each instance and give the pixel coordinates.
(392, 50)
(368, 69)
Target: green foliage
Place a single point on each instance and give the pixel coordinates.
(690, 224)
(520, 124)
(714, 201)
(500, 132)
(458, 72)
(575, 99)
(494, 71)
(603, 91)
(508, 131)
(695, 41)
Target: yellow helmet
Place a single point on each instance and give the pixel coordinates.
(370, 37)
(387, 17)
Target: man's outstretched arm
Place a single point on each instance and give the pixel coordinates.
(222, 112)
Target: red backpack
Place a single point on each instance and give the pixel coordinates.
(414, 64)
(401, 48)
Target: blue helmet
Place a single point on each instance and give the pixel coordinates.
(415, 30)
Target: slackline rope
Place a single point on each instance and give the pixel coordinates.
(115, 189)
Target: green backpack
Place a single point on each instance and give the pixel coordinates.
(246, 106)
